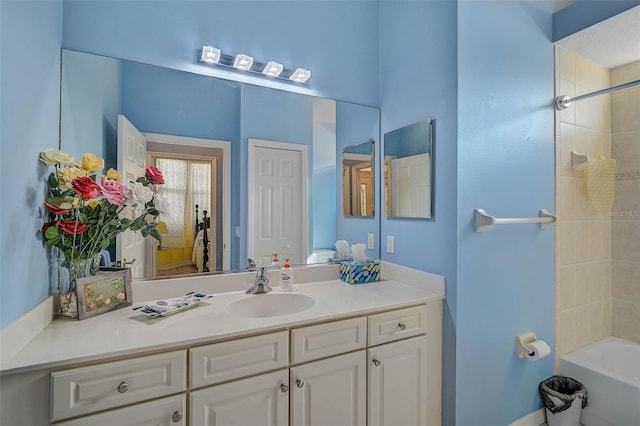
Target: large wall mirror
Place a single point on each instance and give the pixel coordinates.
(408, 171)
(265, 164)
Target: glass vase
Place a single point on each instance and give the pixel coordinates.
(68, 273)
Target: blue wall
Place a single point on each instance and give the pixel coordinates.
(336, 40)
(584, 13)
(505, 278)
(90, 104)
(30, 37)
(425, 33)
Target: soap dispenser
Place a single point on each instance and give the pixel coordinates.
(286, 277)
(275, 261)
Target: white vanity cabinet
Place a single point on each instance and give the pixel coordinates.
(398, 383)
(374, 369)
(257, 401)
(331, 391)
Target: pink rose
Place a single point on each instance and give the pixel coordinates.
(112, 191)
(85, 187)
(154, 175)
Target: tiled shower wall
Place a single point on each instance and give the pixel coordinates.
(625, 218)
(583, 236)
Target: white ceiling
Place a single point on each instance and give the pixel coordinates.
(610, 43)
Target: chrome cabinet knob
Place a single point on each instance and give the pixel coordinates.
(176, 416)
(123, 387)
(376, 362)
(299, 383)
(284, 388)
(402, 326)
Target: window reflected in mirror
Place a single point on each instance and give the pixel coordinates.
(357, 179)
(408, 156)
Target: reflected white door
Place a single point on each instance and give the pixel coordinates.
(132, 153)
(277, 202)
(410, 186)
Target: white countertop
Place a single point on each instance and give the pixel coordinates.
(126, 332)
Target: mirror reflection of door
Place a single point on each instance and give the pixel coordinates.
(130, 246)
(277, 202)
(192, 186)
(357, 180)
(408, 170)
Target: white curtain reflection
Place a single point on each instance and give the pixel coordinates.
(186, 184)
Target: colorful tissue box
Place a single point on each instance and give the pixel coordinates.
(360, 273)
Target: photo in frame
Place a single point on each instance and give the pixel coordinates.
(105, 292)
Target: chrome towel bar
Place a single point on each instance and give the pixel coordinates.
(483, 220)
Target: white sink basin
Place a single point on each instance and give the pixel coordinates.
(270, 305)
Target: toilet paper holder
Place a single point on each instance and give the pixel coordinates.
(522, 340)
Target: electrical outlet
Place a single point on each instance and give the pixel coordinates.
(371, 242)
(391, 244)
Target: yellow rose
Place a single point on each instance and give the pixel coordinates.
(93, 203)
(51, 157)
(91, 163)
(68, 174)
(113, 174)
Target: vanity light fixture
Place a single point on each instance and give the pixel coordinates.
(300, 75)
(210, 55)
(273, 69)
(245, 63)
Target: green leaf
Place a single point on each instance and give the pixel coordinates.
(53, 180)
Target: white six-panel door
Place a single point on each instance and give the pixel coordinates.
(411, 186)
(277, 200)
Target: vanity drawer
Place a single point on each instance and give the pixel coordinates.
(395, 325)
(221, 362)
(165, 411)
(98, 387)
(322, 340)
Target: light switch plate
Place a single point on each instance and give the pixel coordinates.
(390, 244)
(371, 243)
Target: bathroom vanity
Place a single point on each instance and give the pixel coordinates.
(356, 355)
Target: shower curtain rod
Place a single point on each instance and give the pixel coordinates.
(564, 102)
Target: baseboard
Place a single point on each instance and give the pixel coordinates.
(16, 335)
(532, 419)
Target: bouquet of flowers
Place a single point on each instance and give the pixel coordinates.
(86, 210)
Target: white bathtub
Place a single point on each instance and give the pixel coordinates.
(610, 370)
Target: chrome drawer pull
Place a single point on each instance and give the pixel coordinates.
(401, 326)
(123, 387)
(376, 362)
(176, 416)
(299, 383)
(284, 388)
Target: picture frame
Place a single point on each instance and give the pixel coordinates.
(107, 291)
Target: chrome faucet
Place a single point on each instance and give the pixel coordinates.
(260, 284)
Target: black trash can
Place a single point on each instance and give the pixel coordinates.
(564, 398)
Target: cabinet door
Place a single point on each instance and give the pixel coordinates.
(398, 383)
(161, 412)
(261, 401)
(330, 392)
